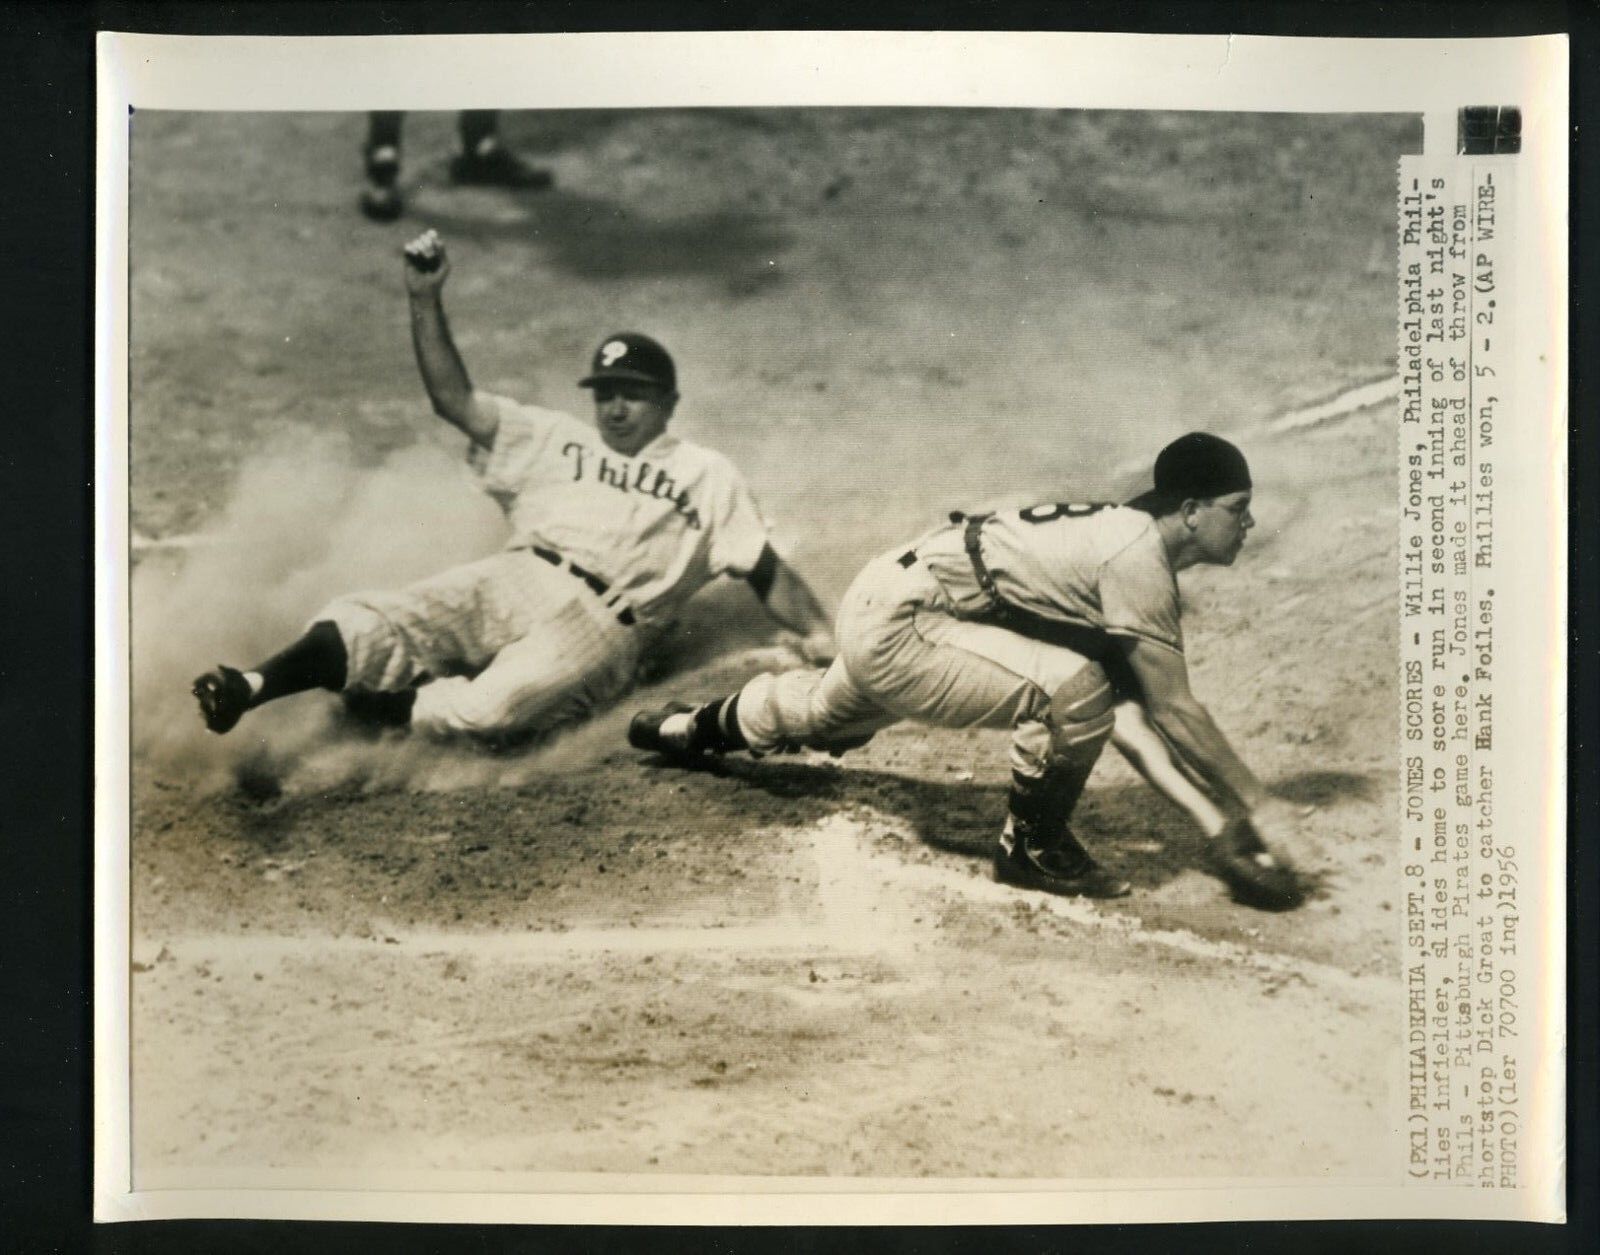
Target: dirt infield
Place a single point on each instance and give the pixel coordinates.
(359, 959)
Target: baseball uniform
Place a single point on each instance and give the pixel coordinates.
(1040, 620)
(603, 552)
(994, 621)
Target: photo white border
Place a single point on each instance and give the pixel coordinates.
(751, 69)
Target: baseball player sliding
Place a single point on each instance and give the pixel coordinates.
(1058, 621)
(614, 526)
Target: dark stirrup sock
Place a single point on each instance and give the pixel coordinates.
(317, 660)
(1067, 780)
(1028, 801)
(716, 726)
(1045, 803)
(383, 130)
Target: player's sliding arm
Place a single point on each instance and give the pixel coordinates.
(443, 372)
(1138, 742)
(1187, 727)
(790, 601)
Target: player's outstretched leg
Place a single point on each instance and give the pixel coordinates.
(690, 732)
(485, 161)
(679, 730)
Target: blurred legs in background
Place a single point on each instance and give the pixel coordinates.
(483, 161)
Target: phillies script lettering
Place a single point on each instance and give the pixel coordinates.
(626, 476)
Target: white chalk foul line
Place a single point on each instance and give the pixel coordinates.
(193, 540)
(866, 903)
(849, 900)
(1364, 397)
(1351, 401)
(924, 877)
(507, 947)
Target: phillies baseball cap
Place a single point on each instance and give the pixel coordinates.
(1201, 466)
(631, 356)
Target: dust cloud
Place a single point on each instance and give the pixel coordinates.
(306, 521)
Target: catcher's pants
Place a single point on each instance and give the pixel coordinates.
(513, 645)
(903, 655)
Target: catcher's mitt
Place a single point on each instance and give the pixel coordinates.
(1257, 877)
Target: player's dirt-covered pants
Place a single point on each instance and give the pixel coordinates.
(512, 644)
(903, 655)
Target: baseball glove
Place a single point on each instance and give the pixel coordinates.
(1258, 878)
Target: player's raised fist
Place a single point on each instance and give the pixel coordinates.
(427, 263)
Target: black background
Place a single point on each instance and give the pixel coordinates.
(46, 604)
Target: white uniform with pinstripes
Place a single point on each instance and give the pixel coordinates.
(917, 638)
(515, 643)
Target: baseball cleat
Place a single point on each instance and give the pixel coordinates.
(224, 695)
(669, 730)
(1065, 868)
(380, 199)
(381, 204)
(498, 167)
(1240, 859)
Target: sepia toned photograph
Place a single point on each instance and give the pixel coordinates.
(825, 647)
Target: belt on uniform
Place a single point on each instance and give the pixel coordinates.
(1081, 639)
(980, 570)
(625, 615)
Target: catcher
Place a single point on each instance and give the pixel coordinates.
(1058, 621)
